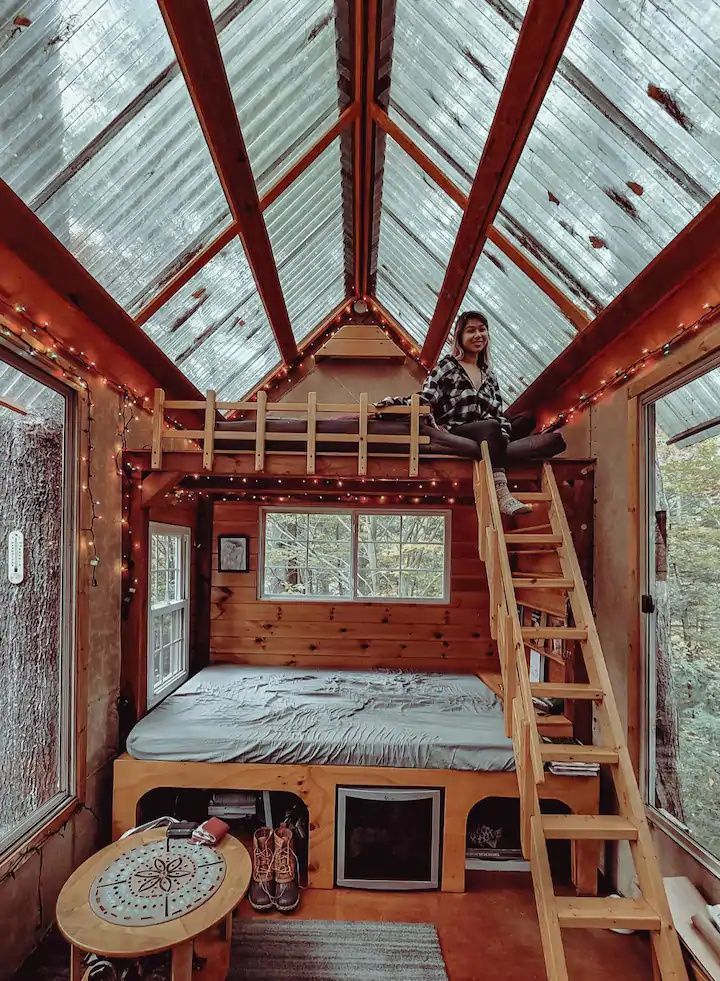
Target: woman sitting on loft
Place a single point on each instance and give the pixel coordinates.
(464, 396)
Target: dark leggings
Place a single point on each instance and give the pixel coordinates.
(489, 431)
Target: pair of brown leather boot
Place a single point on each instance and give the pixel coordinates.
(274, 883)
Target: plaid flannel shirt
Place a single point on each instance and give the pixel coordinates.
(453, 398)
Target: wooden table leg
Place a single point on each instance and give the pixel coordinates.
(76, 959)
(182, 958)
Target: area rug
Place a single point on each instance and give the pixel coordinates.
(335, 950)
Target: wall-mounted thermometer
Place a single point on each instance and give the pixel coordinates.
(16, 557)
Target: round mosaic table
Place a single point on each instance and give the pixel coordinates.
(148, 894)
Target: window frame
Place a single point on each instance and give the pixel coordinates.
(36, 826)
(646, 399)
(184, 533)
(354, 597)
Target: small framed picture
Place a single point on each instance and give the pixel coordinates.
(233, 551)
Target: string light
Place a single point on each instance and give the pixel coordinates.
(44, 343)
(621, 375)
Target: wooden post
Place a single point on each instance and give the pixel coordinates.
(414, 434)
(363, 435)
(209, 436)
(157, 429)
(311, 430)
(260, 431)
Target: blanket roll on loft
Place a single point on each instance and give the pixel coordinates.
(536, 446)
(232, 713)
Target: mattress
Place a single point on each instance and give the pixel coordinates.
(230, 713)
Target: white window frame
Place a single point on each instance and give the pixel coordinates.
(666, 822)
(184, 533)
(35, 824)
(354, 597)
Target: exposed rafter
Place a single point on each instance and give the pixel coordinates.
(341, 125)
(696, 246)
(74, 302)
(574, 314)
(544, 33)
(196, 45)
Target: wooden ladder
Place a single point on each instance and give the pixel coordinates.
(650, 911)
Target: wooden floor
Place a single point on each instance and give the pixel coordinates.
(490, 931)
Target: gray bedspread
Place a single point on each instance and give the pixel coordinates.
(229, 713)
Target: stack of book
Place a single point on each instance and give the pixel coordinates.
(566, 768)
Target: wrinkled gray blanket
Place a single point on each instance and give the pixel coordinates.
(230, 713)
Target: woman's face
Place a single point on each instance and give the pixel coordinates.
(474, 336)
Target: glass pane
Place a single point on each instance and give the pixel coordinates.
(282, 68)
(686, 533)
(428, 557)
(423, 528)
(329, 527)
(289, 525)
(381, 556)
(380, 584)
(215, 328)
(379, 527)
(35, 675)
(162, 586)
(422, 585)
(305, 225)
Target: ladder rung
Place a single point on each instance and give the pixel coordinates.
(569, 753)
(530, 497)
(554, 633)
(549, 689)
(633, 914)
(540, 583)
(517, 538)
(598, 827)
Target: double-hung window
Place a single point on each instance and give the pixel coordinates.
(168, 610)
(355, 555)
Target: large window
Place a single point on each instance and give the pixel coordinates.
(169, 610)
(37, 550)
(683, 611)
(363, 555)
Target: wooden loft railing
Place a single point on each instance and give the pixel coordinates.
(212, 439)
(651, 911)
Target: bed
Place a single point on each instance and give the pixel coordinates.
(309, 731)
(231, 713)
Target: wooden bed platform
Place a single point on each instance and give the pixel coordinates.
(316, 786)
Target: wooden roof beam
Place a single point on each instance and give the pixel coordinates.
(196, 45)
(544, 33)
(574, 314)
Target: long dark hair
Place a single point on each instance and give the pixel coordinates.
(458, 351)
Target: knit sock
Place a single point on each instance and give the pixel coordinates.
(508, 504)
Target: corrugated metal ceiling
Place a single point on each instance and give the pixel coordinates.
(98, 135)
(215, 328)
(626, 148)
(305, 225)
(281, 64)
(418, 224)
